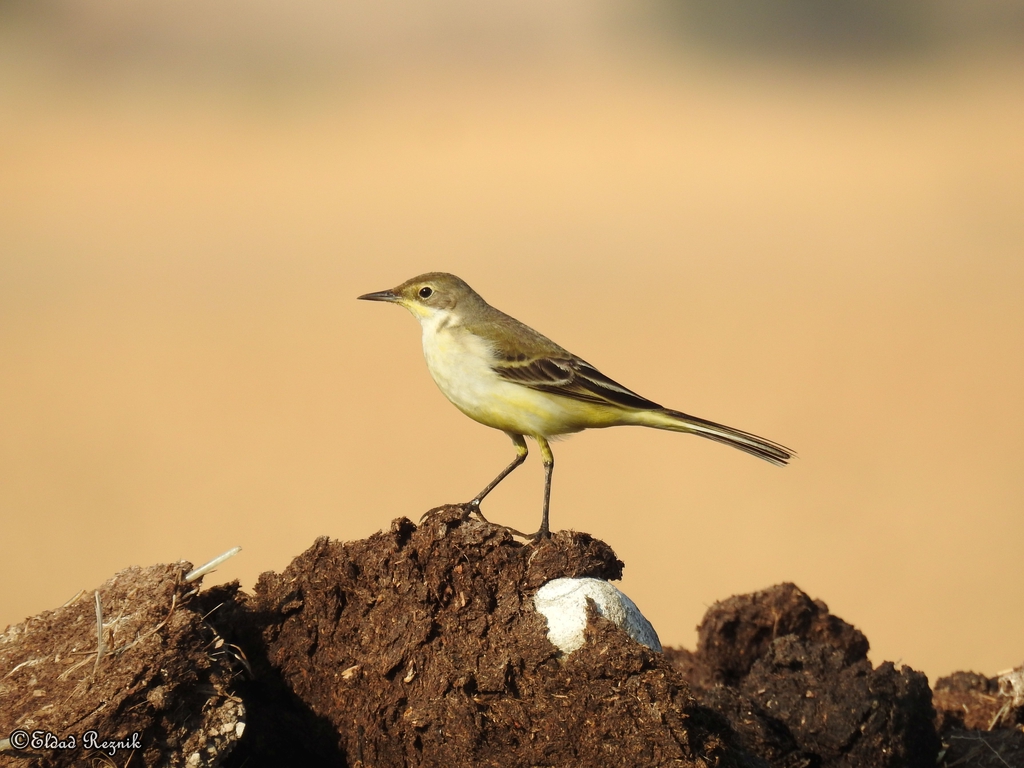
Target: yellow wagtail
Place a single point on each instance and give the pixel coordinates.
(507, 376)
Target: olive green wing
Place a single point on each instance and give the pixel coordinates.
(524, 356)
(573, 378)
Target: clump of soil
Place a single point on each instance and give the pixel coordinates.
(796, 685)
(420, 646)
(153, 684)
(980, 719)
(968, 700)
(737, 632)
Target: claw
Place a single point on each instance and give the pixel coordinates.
(473, 508)
(533, 537)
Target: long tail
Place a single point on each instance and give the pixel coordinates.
(682, 422)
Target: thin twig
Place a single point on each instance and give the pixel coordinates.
(73, 599)
(27, 663)
(983, 741)
(101, 647)
(67, 672)
(205, 569)
(209, 612)
(154, 630)
(999, 715)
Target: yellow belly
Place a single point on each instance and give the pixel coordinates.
(460, 364)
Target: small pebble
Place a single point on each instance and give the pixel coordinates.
(563, 602)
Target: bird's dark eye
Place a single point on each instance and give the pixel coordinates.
(426, 292)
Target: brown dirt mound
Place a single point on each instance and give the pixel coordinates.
(967, 700)
(980, 719)
(738, 631)
(420, 646)
(795, 683)
(158, 682)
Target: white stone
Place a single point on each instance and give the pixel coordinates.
(563, 602)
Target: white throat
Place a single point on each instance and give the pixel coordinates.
(459, 361)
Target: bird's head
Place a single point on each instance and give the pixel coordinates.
(428, 295)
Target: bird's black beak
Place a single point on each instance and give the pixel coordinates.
(379, 296)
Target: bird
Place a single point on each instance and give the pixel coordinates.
(505, 375)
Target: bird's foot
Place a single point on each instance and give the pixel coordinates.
(471, 508)
(535, 537)
(430, 514)
(466, 509)
(539, 536)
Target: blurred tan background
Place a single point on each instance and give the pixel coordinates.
(808, 225)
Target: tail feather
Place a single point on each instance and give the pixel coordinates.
(681, 422)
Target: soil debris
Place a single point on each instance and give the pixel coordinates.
(966, 700)
(129, 674)
(981, 719)
(795, 683)
(738, 631)
(420, 646)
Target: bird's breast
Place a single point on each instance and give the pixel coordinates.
(461, 365)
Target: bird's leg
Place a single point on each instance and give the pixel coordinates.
(544, 532)
(521, 451)
(549, 466)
